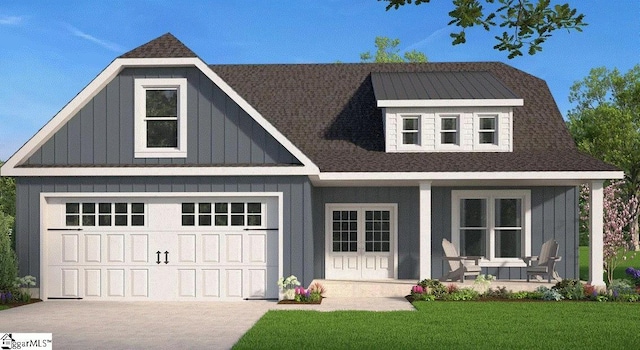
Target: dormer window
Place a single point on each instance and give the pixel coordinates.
(487, 130)
(449, 130)
(411, 130)
(161, 118)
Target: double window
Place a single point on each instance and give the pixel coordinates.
(449, 126)
(492, 224)
(161, 118)
(487, 130)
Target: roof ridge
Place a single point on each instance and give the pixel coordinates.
(164, 46)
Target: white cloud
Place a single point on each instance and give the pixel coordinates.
(10, 20)
(429, 39)
(106, 44)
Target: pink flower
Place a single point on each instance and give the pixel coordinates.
(417, 290)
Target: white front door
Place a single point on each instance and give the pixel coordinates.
(361, 241)
(162, 248)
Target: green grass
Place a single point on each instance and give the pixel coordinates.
(617, 273)
(453, 325)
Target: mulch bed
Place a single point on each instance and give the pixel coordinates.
(300, 302)
(411, 300)
(12, 305)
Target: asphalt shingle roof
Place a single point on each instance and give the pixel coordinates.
(329, 111)
(165, 46)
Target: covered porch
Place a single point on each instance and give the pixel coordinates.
(428, 246)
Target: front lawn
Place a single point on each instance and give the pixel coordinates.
(453, 325)
(619, 271)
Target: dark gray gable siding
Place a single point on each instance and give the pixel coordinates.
(219, 131)
(554, 214)
(408, 221)
(297, 209)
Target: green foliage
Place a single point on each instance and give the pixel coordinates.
(520, 295)
(570, 289)
(606, 124)
(387, 51)
(462, 294)
(526, 23)
(618, 287)
(435, 287)
(8, 262)
(7, 194)
(500, 292)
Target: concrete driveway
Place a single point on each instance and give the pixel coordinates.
(136, 325)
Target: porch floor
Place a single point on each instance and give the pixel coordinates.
(401, 288)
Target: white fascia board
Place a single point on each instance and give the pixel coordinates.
(160, 171)
(453, 103)
(110, 72)
(434, 176)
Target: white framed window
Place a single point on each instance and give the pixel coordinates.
(410, 132)
(161, 118)
(449, 129)
(100, 214)
(495, 224)
(487, 126)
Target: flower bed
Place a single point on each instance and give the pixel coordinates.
(568, 289)
(293, 294)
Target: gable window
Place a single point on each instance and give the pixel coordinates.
(161, 118)
(449, 130)
(487, 130)
(411, 130)
(492, 224)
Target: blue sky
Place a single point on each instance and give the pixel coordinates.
(52, 49)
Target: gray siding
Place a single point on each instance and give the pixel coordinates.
(297, 210)
(218, 130)
(408, 221)
(554, 214)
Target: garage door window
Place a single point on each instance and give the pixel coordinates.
(224, 214)
(104, 214)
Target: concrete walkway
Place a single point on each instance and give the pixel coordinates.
(160, 325)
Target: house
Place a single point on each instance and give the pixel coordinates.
(167, 178)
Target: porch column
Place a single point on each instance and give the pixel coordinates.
(596, 242)
(425, 230)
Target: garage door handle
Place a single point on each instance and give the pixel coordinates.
(261, 229)
(64, 229)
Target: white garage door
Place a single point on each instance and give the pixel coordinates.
(162, 248)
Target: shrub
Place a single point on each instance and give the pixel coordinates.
(635, 275)
(500, 292)
(8, 262)
(549, 294)
(434, 286)
(519, 295)
(452, 288)
(618, 287)
(462, 294)
(570, 289)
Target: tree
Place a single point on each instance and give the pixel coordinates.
(606, 124)
(387, 52)
(8, 263)
(7, 195)
(526, 23)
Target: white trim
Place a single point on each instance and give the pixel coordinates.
(516, 102)
(393, 207)
(419, 132)
(457, 146)
(424, 214)
(72, 195)
(513, 175)
(490, 196)
(141, 85)
(159, 171)
(106, 76)
(495, 145)
(596, 235)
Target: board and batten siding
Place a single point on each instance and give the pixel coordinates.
(218, 130)
(298, 257)
(554, 214)
(408, 221)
